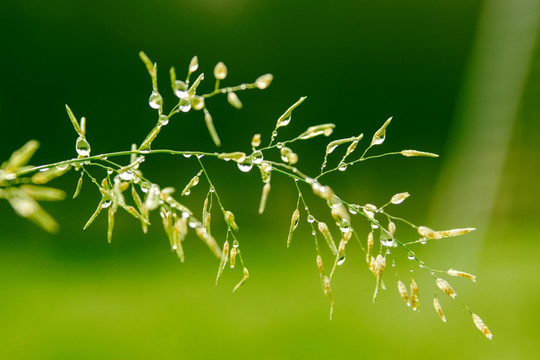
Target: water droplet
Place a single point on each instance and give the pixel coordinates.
(345, 226)
(393, 263)
(185, 105)
(144, 187)
(187, 192)
(411, 255)
(185, 214)
(285, 121)
(43, 170)
(243, 87)
(155, 101)
(180, 89)
(306, 208)
(246, 166)
(187, 156)
(257, 157)
(62, 166)
(342, 167)
(313, 233)
(82, 146)
(280, 144)
(224, 91)
(341, 261)
(374, 226)
(200, 156)
(423, 241)
(106, 204)
(163, 120)
(192, 222)
(421, 264)
(310, 219)
(109, 171)
(126, 175)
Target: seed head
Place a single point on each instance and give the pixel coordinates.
(445, 286)
(481, 326)
(438, 308)
(403, 292)
(462, 274)
(220, 71)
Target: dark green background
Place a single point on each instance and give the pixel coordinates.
(73, 296)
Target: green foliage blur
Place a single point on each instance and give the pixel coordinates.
(73, 296)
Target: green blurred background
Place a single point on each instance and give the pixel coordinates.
(460, 77)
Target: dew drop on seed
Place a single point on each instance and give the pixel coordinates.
(187, 192)
(285, 121)
(185, 105)
(257, 157)
(245, 166)
(192, 223)
(109, 171)
(310, 219)
(411, 255)
(155, 101)
(341, 261)
(185, 214)
(82, 146)
(126, 176)
(163, 120)
(106, 204)
(62, 166)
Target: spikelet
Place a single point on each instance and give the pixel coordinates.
(285, 119)
(347, 236)
(211, 128)
(380, 135)
(481, 326)
(224, 258)
(399, 198)
(237, 156)
(256, 141)
(391, 227)
(313, 131)
(323, 228)
(432, 234)
(445, 286)
(229, 219)
(320, 267)
(369, 246)
(194, 64)
(415, 300)
(328, 293)
(232, 262)
(264, 197)
(220, 71)
(193, 182)
(462, 274)
(264, 81)
(438, 308)
(410, 153)
(324, 192)
(246, 276)
(403, 292)
(294, 223)
(233, 99)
